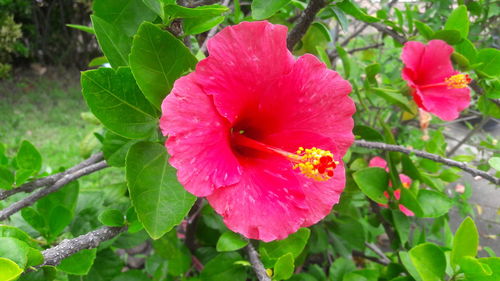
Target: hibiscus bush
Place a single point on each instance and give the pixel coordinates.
(268, 140)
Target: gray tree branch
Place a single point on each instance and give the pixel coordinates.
(427, 155)
(257, 265)
(49, 180)
(53, 256)
(67, 178)
(304, 21)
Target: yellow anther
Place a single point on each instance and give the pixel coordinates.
(269, 272)
(458, 81)
(314, 163)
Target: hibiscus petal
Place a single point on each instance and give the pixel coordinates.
(198, 139)
(427, 64)
(378, 162)
(243, 60)
(311, 98)
(267, 204)
(443, 102)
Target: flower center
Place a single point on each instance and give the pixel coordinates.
(313, 163)
(457, 81)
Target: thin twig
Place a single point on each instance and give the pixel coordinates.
(32, 198)
(468, 136)
(49, 180)
(304, 21)
(53, 256)
(379, 252)
(384, 29)
(352, 51)
(212, 32)
(374, 259)
(257, 265)
(427, 155)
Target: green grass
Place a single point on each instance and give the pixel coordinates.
(46, 112)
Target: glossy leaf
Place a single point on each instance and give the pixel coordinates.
(230, 241)
(373, 182)
(294, 244)
(490, 61)
(125, 15)
(158, 198)
(114, 43)
(451, 37)
(112, 217)
(115, 99)
(158, 59)
(9, 270)
(79, 263)
(465, 242)
(263, 9)
(429, 260)
(458, 20)
(224, 267)
(177, 11)
(170, 248)
(28, 158)
(352, 9)
(283, 268)
(434, 204)
(115, 148)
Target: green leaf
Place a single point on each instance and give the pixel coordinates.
(294, 244)
(493, 264)
(458, 20)
(373, 181)
(230, 241)
(6, 178)
(115, 148)
(114, 43)
(435, 204)
(155, 6)
(199, 25)
(340, 267)
(9, 270)
(172, 249)
(350, 230)
(106, 266)
(406, 261)
(429, 260)
(158, 59)
(111, 217)
(490, 59)
(224, 267)
(37, 221)
(28, 158)
(79, 263)
(451, 37)
(176, 11)
(132, 275)
(283, 268)
(125, 15)
(346, 62)
(115, 99)
(424, 29)
(263, 9)
(15, 250)
(393, 98)
(402, 225)
(467, 49)
(371, 71)
(495, 163)
(98, 61)
(367, 133)
(487, 107)
(472, 267)
(349, 7)
(83, 28)
(465, 242)
(409, 200)
(14, 232)
(59, 218)
(158, 198)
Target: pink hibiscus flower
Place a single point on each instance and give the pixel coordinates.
(436, 86)
(405, 181)
(260, 133)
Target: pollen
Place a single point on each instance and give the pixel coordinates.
(458, 81)
(314, 163)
